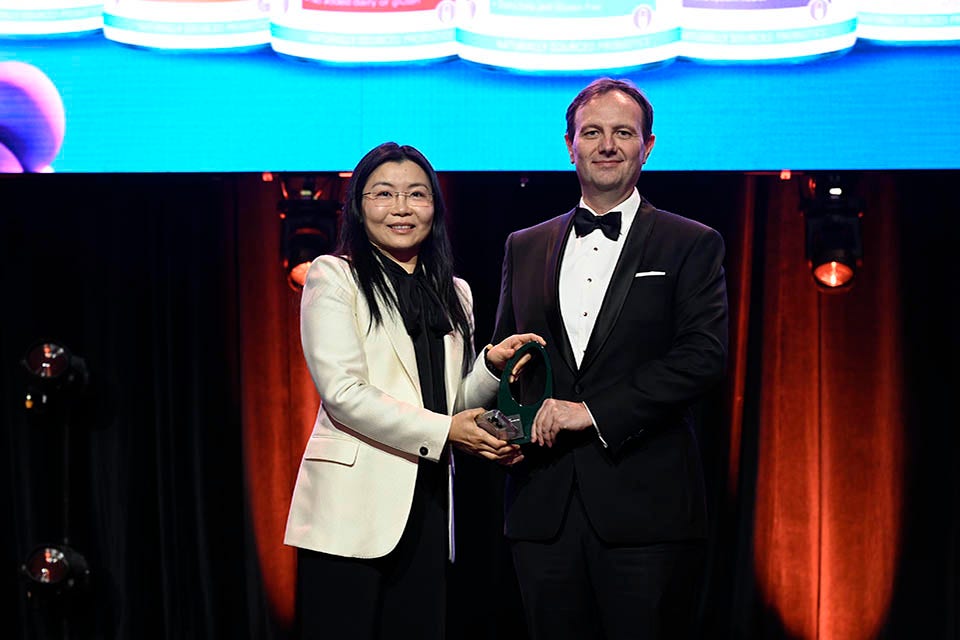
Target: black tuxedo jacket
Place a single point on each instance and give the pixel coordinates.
(659, 342)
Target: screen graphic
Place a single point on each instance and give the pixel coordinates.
(477, 85)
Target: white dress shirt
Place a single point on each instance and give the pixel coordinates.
(586, 268)
(585, 272)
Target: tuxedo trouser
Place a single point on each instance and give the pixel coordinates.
(576, 586)
(401, 595)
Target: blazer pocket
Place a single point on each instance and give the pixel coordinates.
(331, 449)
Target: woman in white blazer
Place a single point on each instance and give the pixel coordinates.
(387, 335)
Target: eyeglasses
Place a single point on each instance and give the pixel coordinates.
(385, 198)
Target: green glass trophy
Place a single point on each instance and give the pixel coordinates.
(532, 383)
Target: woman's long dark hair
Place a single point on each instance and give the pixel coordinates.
(436, 253)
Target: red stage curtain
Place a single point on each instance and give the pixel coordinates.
(278, 397)
(739, 271)
(828, 486)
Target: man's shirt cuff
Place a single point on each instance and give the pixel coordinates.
(595, 427)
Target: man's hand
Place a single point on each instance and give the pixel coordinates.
(555, 416)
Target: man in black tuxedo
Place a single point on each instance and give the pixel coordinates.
(605, 514)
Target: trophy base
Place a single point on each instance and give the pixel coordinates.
(500, 425)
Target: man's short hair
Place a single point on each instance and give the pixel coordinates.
(606, 85)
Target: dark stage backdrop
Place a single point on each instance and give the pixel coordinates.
(830, 450)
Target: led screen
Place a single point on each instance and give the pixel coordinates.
(478, 85)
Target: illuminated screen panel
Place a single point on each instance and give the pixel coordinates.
(478, 85)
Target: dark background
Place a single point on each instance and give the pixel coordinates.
(141, 274)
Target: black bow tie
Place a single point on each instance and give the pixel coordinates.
(585, 223)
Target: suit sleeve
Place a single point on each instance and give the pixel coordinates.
(505, 324)
(658, 391)
(334, 350)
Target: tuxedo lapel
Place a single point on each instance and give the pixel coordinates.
(623, 273)
(551, 287)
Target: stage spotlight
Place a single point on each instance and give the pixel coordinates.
(56, 382)
(834, 245)
(53, 570)
(308, 225)
(52, 372)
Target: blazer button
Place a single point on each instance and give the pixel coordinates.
(424, 451)
(577, 389)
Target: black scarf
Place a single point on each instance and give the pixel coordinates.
(426, 322)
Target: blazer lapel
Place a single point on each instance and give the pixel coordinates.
(403, 346)
(551, 288)
(452, 365)
(621, 281)
(396, 332)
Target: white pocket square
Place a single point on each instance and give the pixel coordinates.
(644, 274)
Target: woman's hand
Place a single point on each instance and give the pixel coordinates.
(467, 436)
(498, 355)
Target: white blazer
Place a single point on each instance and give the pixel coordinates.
(355, 484)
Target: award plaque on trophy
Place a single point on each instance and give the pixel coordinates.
(522, 391)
